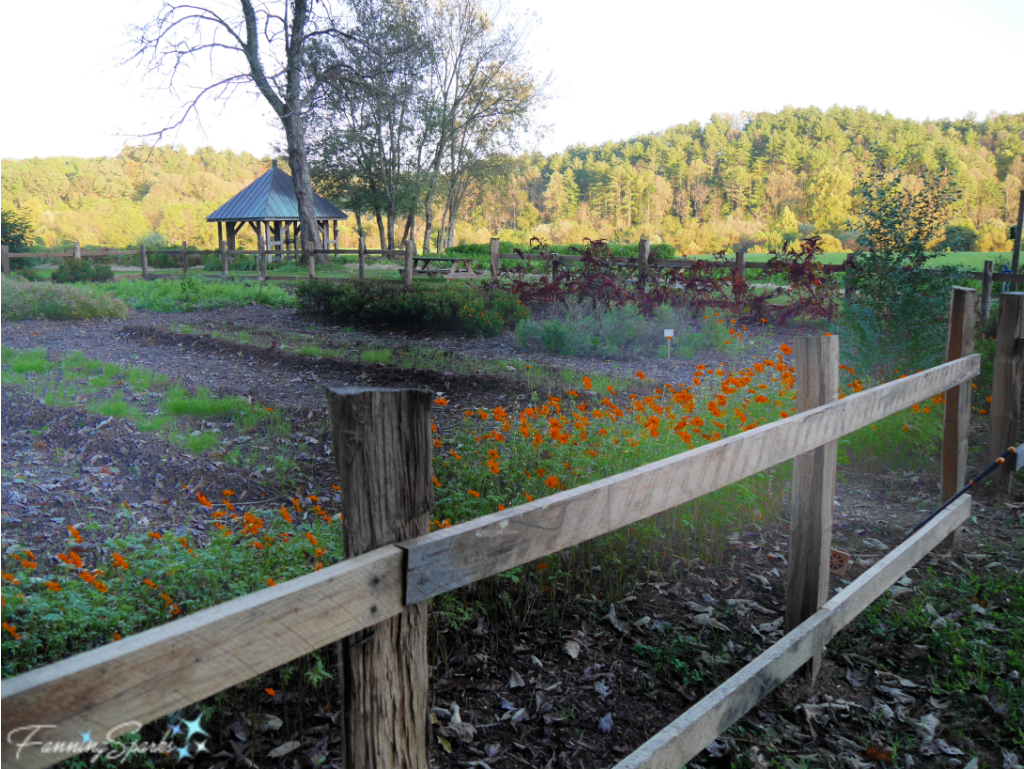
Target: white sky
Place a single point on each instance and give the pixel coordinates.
(620, 68)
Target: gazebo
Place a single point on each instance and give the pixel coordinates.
(268, 205)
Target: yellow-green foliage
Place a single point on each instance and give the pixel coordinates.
(23, 299)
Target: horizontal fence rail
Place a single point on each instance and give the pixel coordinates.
(112, 689)
(689, 734)
(450, 558)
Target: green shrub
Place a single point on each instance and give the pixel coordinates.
(82, 271)
(447, 307)
(194, 293)
(23, 300)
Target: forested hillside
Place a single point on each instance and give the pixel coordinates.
(752, 180)
(746, 181)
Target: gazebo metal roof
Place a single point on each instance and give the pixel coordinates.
(271, 198)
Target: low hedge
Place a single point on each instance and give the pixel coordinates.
(448, 307)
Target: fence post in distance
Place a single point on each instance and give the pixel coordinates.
(223, 260)
(410, 252)
(812, 492)
(645, 258)
(78, 250)
(495, 258)
(848, 267)
(6, 260)
(382, 445)
(957, 419)
(362, 257)
(986, 289)
(184, 258)
(1006, 386)
(145, 262)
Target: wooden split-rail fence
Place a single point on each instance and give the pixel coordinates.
(374, 602)
(408, 269)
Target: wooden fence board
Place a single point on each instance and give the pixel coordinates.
(156, 672)
(688, 735)
(450, 558)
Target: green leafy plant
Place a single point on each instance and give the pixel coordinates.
(82, 271)
(23, 300)
(452, 307)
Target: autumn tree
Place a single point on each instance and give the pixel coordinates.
(264, 47)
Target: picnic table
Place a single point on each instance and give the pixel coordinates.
(424, 265)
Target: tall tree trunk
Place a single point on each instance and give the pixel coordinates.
(391, 221)
(428, 217)
(359, 223)
(381, 233)
(295, 133)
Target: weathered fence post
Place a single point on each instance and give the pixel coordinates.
(410, 252)
(812, 492)
(848, 268)
(495, 258)
(986, 289)
(78, 250)
(312, 264)
(645, 258)
(362, 257)
(1006, 385)
(382, 444)
(261, 256)
(957, 420)
(184, 258)
(6, 260)
(224, 260)
(145, 262)
(1015, 265)
(741, 265)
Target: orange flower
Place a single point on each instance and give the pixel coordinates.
(786, 349)
(472, 493)
(269, 411)
(441, 401)
(155, 535)
(586, 383)
(201, 498)
(270, 582)
(117, 636)
(149, 583)
(54, 586)
(640, 375)
(553, 482)
(611, 389)
(528, 497)
(270, 691)
(312, 539)
(298, 505)
(335, 487)
(285, 514)
(11, 629)
(906, 428)
(75, 534)
(119, 561)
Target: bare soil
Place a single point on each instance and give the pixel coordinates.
(569, 689)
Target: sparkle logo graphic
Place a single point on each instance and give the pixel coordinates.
(116, 749)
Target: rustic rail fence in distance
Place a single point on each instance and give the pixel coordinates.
(113, 689)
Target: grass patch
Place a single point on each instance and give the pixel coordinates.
(196, 294)
(381, 356)
(24, 300)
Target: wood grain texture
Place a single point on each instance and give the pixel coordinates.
(1006, 386)
(813, 490)
(450, 558)
(495, 258)
(410, 252)
(688, 735)
(957, 415)
(986, 290)
(149, 675)
(382, 443)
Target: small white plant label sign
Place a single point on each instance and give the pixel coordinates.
(670, 332)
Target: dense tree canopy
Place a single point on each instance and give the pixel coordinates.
(746, 181)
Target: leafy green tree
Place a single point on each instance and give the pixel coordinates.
(18, 232)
